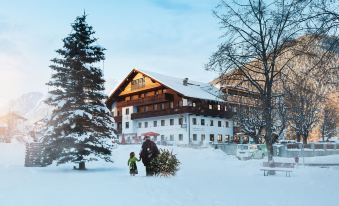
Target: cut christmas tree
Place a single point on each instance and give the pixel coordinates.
(165, 164)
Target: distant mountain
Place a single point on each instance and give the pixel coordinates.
(40, 111)
(29, 105)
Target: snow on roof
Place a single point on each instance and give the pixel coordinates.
(193, 89)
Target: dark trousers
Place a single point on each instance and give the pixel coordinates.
(149, 171)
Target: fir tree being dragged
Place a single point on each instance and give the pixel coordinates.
(80, 128)
(165, 164)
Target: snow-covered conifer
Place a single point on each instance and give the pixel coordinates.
(80, 128)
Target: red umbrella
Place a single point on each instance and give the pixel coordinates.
(150, 134)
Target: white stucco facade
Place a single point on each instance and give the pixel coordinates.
(176, 129)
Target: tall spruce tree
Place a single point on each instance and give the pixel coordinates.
(80, 128)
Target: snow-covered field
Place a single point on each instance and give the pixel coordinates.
(207, 177)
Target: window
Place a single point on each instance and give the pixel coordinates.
(211, 123)
(181, 137)
(155, 138)
(171, 105)
(181, 121)
(162, 137)
(227, 124)
(193, 104)
(146, 108)
(155, 107)
(219, 138)
(227, 138)
(202, 121)
(171, 121)
(137, 83)
(210, 106)
(162, 106)
(195, 137)
(203, 137)
(212, 137)
(127, 111)
(219, 107)
(155, 123)
(171, 137)
(139, 124)
(180, 103)
(126, 125)
(146, 124)
(194, 121)
(219, 123)
(162, 122)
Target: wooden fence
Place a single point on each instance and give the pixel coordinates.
(34, 155)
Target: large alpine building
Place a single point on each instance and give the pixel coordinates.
(171, 110)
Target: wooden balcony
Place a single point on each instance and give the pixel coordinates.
(239, 100)
(181, 110)
(147, 100)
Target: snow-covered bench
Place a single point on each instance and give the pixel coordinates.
(278, 167)
(268, 169)
(279, 164)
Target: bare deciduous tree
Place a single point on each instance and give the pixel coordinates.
(304, 99)
(251, 122)
(328, 127)
(257, 37)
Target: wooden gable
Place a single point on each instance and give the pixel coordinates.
(126, 88)
(138, 83)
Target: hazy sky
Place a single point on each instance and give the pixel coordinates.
(173, 37)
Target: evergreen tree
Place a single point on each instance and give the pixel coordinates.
(80, 128)
(165, 164)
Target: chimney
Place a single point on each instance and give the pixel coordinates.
(185, 81)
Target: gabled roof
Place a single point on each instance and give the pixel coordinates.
(193, 89)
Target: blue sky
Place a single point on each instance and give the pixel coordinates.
(173, 37)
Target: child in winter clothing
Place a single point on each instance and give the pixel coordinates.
(132, 163)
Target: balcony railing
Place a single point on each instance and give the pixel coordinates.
(147, 100)
(181, 110)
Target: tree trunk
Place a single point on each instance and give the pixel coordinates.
(268, 126)
(298, 137)
(269, 151)
(304, 139)
(82, 166)
(255, 138)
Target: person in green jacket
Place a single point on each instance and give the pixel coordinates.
(132, 163)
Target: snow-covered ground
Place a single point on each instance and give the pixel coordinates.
(207, 177)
